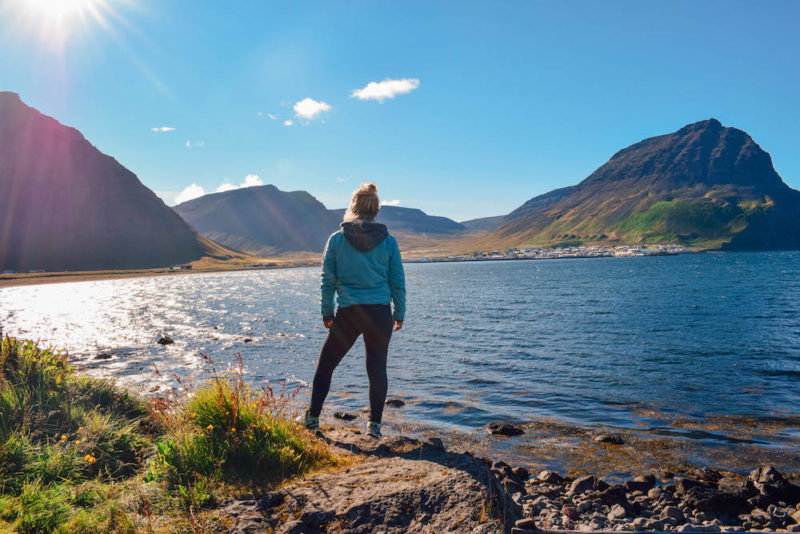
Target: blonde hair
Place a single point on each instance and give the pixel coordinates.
(365, 203)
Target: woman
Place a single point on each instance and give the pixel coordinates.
(362, 265)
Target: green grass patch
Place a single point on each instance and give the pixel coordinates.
(79, 454)
(686, 221)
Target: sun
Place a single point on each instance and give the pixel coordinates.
(55, 21)
(60, 9)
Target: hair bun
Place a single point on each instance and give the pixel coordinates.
(369, 188)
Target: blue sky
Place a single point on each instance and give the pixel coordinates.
(504, 101)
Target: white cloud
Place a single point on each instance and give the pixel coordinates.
(225, 186)
(310, 109)
(287, 123)
(388, 88)
(190, 193)
(271, 116)
(195, 191)
(190, 144)
(163, 129)
(394, 202)
(252, 180)
(340, 179)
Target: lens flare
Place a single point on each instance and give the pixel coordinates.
(55, 21)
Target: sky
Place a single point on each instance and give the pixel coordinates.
(463, 109)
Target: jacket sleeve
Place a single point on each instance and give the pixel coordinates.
(329, 279)
(397, 283)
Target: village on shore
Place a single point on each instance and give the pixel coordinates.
(547, 253)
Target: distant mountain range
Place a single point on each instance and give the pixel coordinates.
(64, 205)
(261, 220)
(266, 221)
(704, 185)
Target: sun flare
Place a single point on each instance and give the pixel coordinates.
(54, 21)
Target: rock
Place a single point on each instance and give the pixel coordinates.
(520, 473)
(344, 416)
(682, 485)
(772, 484)
(511, 486)
(760, 516)
(395, 403)
(436, 443)
(613, 495)
(648, 478)
(704, 515)
(632, 485)
(166, 340)
(672, 512)
(248, 340)
(655, 524)
(103, 356)
(504, 429)
(794, 528)
(688, 527)
(550, 477)
(796, 516)
(586, 483)
(584, 506)
(654, 493)
(617, 512)
(641, 523)
(527, 523)
(610, 439)
(707, 499)
(390, 492)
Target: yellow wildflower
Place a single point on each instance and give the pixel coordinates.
(233, 429)
(210, 427)
(91, 459)
(63, 437)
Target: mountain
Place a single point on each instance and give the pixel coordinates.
(535, 204)
(412, 221)
(266, 221)
(261, 220)
(704, 185)
(64, 205)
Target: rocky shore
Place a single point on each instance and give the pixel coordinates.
(405, 485)
(707, 501)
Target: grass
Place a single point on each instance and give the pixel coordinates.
(79, 454)
(686, 221)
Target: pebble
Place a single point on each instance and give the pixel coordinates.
(395, 403)
(166, 340)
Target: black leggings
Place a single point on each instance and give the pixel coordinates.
(375, 322)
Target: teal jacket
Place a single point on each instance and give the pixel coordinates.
(362, 265)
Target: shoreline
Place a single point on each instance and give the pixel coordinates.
(58, 277)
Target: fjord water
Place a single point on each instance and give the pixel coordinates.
(593, 341)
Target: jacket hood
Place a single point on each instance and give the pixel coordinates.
(364, 236)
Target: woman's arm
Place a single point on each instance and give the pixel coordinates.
(397, 283)
(328, 285)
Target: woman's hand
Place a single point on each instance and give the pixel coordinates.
(327, 322)
(397, 325)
